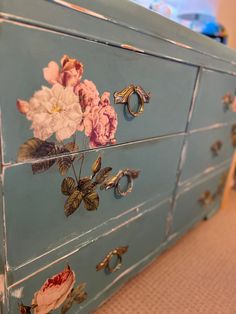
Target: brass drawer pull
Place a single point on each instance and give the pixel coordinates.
(228, 100)
(129, 175)
(114, 182)
(124, 96)
(216, 147)
(206, 199)
(105, 263)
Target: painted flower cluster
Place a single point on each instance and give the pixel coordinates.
(69, 105)
(57, 291)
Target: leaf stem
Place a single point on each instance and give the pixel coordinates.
(73, 168)
(81, 165)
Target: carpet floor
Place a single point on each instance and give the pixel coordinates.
(196, 276)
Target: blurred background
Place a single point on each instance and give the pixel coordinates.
(213, 18)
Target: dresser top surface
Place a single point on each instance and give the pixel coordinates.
(91, 19)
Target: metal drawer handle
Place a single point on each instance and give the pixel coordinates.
(114, 182)
(228, 100)
(206, 199)
(216, 147)
(105, 263)
(124, 96)
(233, 135)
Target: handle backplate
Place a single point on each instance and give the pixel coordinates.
(124, 97)
(105, 263)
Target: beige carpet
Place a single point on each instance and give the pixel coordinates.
(197, 275)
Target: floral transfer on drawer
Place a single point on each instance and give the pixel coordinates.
(57, 291)
(69, 106)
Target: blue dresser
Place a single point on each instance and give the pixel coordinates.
(117, 133)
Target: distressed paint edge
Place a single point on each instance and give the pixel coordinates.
(17, 20)
(93, 240)
(183, 153)
(139, 30)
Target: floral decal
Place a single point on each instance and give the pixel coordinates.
(57, 291)
(70, 105)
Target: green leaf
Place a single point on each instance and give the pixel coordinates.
(86, 185)
(96, 166)
(109, 183)
(67, 304)
(71, 147)
(79, 294)
(28, 149)
(35, 148)
(73, 202)
(24, 309)
(102, 175)
(68, 186)
(64, 164)
(91, 201)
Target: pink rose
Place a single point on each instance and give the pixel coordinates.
(233, 106)
(22, 106)
(2, 287)
(71, 72)
(54, 292)
(51, 73)
(101, 123)
(69, 75)
(88, 94)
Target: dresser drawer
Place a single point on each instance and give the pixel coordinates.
(212, 104)
(110, 68)
(144, 234)
(206, 150)
(35, 218)
(197, 200)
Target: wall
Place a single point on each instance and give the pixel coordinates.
(226, 10)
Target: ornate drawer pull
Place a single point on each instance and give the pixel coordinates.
(216, 147)
(105, 263)
(114, 182)
(206, 199)
(124, 96)
(228, 100)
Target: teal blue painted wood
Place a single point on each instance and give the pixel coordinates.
(142, 242)
(209, 108)
(188, 209)
(35, 210)
(113, 70)
(184, 105)
(199, 156)
(144, 29)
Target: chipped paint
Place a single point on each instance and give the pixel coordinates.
(90, 241)
(146, 140)
(80, 9)
(129, 47)
(17, 293)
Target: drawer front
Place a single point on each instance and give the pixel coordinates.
(206, 150)
(110, 69)
(211, 107)
(35, 218)
(196, 201)
(142, 236)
